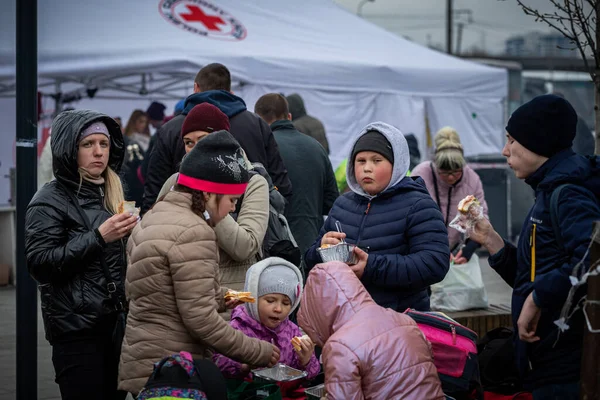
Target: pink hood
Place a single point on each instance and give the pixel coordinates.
(369, 352)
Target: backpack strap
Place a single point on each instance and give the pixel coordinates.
(554, 199)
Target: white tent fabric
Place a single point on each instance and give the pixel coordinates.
(349, 71)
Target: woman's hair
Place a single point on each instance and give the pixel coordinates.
(449, 155)
(113, 189)
(198, 202)
(135, 115)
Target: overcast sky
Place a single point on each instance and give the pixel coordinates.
(424, 21)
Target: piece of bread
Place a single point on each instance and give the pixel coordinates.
(297, 340)
(128, 207)
(466, 203)
(245, 297)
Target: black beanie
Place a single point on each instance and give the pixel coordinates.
(374, 141)
(545, 125)
(215, 165)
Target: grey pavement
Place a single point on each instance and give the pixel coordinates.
(498, 293)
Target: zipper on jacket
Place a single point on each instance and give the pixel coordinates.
(362, 223)
(453, 329)
(443, 324)
(101, 193)
(532, 245)
(124, 267)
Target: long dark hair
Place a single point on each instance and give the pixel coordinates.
(198, 202)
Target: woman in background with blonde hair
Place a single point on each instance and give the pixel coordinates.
(449, 179)
(75, 249)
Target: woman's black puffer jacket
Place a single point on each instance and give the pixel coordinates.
(63, 255)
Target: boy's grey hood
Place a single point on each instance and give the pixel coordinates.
(401, 156)
(253, 276)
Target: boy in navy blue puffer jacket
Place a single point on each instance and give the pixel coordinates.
(401, 239)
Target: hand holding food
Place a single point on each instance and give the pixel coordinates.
(304, 347)
(470, 212)
(117, 227)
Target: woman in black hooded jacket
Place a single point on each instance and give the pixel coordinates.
(66, 247)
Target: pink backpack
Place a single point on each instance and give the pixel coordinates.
(454, 353)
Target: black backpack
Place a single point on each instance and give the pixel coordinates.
(498, 371)
(278, 241)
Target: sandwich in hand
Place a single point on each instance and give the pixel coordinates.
(465, 204)
(297, 341)
(128, 207)
(245, 297)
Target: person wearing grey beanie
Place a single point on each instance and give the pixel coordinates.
(276, 284)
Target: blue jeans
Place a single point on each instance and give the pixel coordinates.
(565, 391)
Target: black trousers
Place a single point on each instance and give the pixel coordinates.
(87, 368)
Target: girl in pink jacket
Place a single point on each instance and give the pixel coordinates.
(369, 352)
(277, 286)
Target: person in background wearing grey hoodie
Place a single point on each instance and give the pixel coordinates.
(305, 123)
(398, 230)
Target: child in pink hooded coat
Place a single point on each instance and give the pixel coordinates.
(277, 287)
(369, 352)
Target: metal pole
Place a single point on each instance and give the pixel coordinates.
(459, 37)
(590, 362)
(26, 186)
(449, 26)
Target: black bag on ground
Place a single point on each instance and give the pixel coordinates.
(497, 362)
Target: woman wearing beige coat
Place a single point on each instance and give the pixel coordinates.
(173, 273)
(239, 240)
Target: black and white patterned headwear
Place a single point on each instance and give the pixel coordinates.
(215, 165)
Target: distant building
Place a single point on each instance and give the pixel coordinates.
(536, 44)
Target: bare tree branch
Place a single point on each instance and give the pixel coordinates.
(541, 17)
(577, 41)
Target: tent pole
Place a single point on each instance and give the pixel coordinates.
(449, 26)
(26, 143)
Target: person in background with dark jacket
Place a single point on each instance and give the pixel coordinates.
(305, 123)
(413, 148)
(538, 149)
(144, 169)
(65, 257)
(156, 114)
(213, 85)
(398, 230)
(136, 150)
(309, 169)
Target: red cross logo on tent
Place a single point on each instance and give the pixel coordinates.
(197, 15)
(203, 18)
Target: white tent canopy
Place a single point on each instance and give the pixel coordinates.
(349, 71)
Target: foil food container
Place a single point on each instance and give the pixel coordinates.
(343, 252)
(279, 373)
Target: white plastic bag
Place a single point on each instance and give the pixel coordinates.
(462, 288)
